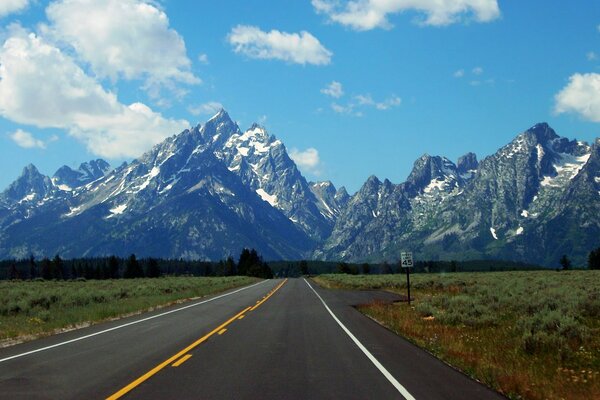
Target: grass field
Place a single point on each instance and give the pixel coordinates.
(34, 308)
(530, 335)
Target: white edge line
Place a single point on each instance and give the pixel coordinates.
(370, 356)
(127, 324)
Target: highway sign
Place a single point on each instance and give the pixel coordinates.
(406, 259)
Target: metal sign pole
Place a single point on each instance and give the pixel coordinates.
(406, 260)
(408, 283)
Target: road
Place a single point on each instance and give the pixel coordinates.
(279, 339)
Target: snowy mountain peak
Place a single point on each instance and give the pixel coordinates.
(67, 179)
(31, 185)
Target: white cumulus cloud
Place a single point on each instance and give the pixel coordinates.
(299, 48)
(42, 86)
(459, 73)
(580, 96)
(365, 15)
(334, 89)
(128, 39)
(208, 108)
(307, 160)
(28, 141)
(12, 6)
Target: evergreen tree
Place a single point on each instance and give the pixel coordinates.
(46, 269)
(229, 267)
(32, 267)
(113, 267)
(13, 273)
(366, 269)
(565, 262)
(343, 268)
(594, 259)
(386, 268)
(245, 262)
(133, 268)
(453, 266)
(303, 267)
(153, 269)
(57, 268)
(73, 271)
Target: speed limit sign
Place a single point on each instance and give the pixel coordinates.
(406, 259)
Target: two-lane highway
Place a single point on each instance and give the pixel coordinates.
(277, 339)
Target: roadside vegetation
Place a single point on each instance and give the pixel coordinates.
(528, 334)
(40, 297)
(29, 309)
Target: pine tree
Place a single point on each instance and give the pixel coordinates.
(46, 269)
(133, 268)
(565, 262)
(366, 269)
(153, 269)
(32, 267)
(594, 259)
(229, 267)
(57, 268)
(304, 267)
(113, 267)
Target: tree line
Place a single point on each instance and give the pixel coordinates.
(250, 263)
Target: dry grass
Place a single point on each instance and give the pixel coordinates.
(530, 335)
(30, 309)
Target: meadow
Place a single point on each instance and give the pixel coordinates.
(528, 334)
(34, 308)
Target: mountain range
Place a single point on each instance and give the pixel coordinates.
(209, 191)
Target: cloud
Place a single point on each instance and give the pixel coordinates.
(367, 100)
(209, 108)
(591, 56)
(44, 87)
(477, 71)
(128, 39)
(12, 6)
(302, 48)
(365, 15)
(334, 89)
(459, 73)
(28, 141)
(203, 59)
(307, 160)
(347, 109)
(581, 96)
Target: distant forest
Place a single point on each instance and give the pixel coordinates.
(250, 263)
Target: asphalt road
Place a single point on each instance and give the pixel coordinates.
(274, 340)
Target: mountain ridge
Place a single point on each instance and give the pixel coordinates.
(212, 189)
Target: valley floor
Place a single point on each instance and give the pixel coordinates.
(532, 335)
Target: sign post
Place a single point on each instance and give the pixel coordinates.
(406, 260)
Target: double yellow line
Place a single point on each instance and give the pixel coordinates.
(182, 356)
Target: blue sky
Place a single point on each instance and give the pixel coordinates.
(352, 89)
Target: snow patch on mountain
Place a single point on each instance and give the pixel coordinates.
(271, 199)
(567, 168)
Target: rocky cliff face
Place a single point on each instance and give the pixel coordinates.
(211, 190)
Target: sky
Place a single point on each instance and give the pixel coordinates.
(353, 88)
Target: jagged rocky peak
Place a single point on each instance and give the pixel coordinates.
(540, 133)
(30, 185)
(342, 196)
(67, 179)
(467, 163)
(430, 168)
(219, 128)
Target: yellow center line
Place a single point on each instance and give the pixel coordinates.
(269, 295)
(181, 360)
(220, 329)
(162, 365)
